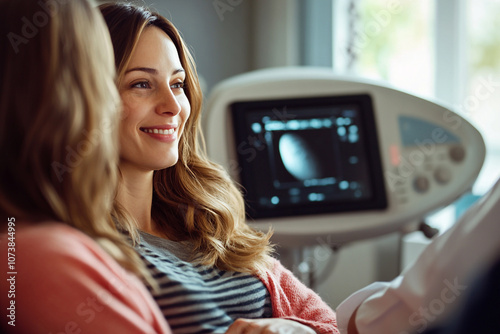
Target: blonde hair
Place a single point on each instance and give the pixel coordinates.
(195, 199)
(58, 113)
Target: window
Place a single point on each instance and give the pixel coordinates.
(481, 103)
(448, 49)
(395, 43)
(445, 49)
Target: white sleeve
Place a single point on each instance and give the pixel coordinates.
(349, 305)
(435, 283)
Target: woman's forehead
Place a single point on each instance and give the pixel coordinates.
(155, 49)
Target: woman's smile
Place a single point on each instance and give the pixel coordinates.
(163, 133)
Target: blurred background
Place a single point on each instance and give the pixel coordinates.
(444, 50)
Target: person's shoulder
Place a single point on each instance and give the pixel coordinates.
(53, 237)
(61, 244)
(57, 252)
(71, 276)
(48, 231)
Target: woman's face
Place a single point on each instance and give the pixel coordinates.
(155, 108)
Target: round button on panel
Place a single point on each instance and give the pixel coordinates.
(457, 153)
(421, 184)
(442, 175)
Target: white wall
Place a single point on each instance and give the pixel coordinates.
(218, 38)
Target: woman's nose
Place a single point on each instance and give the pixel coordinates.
(168, 103)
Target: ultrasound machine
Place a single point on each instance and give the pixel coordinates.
(318, 154)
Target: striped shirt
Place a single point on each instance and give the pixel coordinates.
(195, 298)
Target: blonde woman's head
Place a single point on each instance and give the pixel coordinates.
(58, 106)
(58, 114)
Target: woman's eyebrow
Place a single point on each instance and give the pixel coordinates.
(152, 70)
(179, 70)
(143, 69)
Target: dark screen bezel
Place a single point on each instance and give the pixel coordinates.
(378, 200)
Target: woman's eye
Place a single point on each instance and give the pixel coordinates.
(178, 85)
(142, 84)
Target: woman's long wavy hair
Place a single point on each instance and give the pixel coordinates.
(195, 199)
(58, 112)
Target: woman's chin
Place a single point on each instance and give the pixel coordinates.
(149, 166)
(165, 165)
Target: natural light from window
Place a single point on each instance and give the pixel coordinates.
(396, 44)
(481, 104)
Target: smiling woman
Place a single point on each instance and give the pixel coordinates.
(155, 106)
(186, 218)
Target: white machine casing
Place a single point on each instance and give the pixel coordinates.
(421, 175)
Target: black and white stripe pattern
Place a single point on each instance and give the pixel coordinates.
(196, 298)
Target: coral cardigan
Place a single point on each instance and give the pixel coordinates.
(293, 300)
(55, 279)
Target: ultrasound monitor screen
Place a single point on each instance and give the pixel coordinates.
(308, 156)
